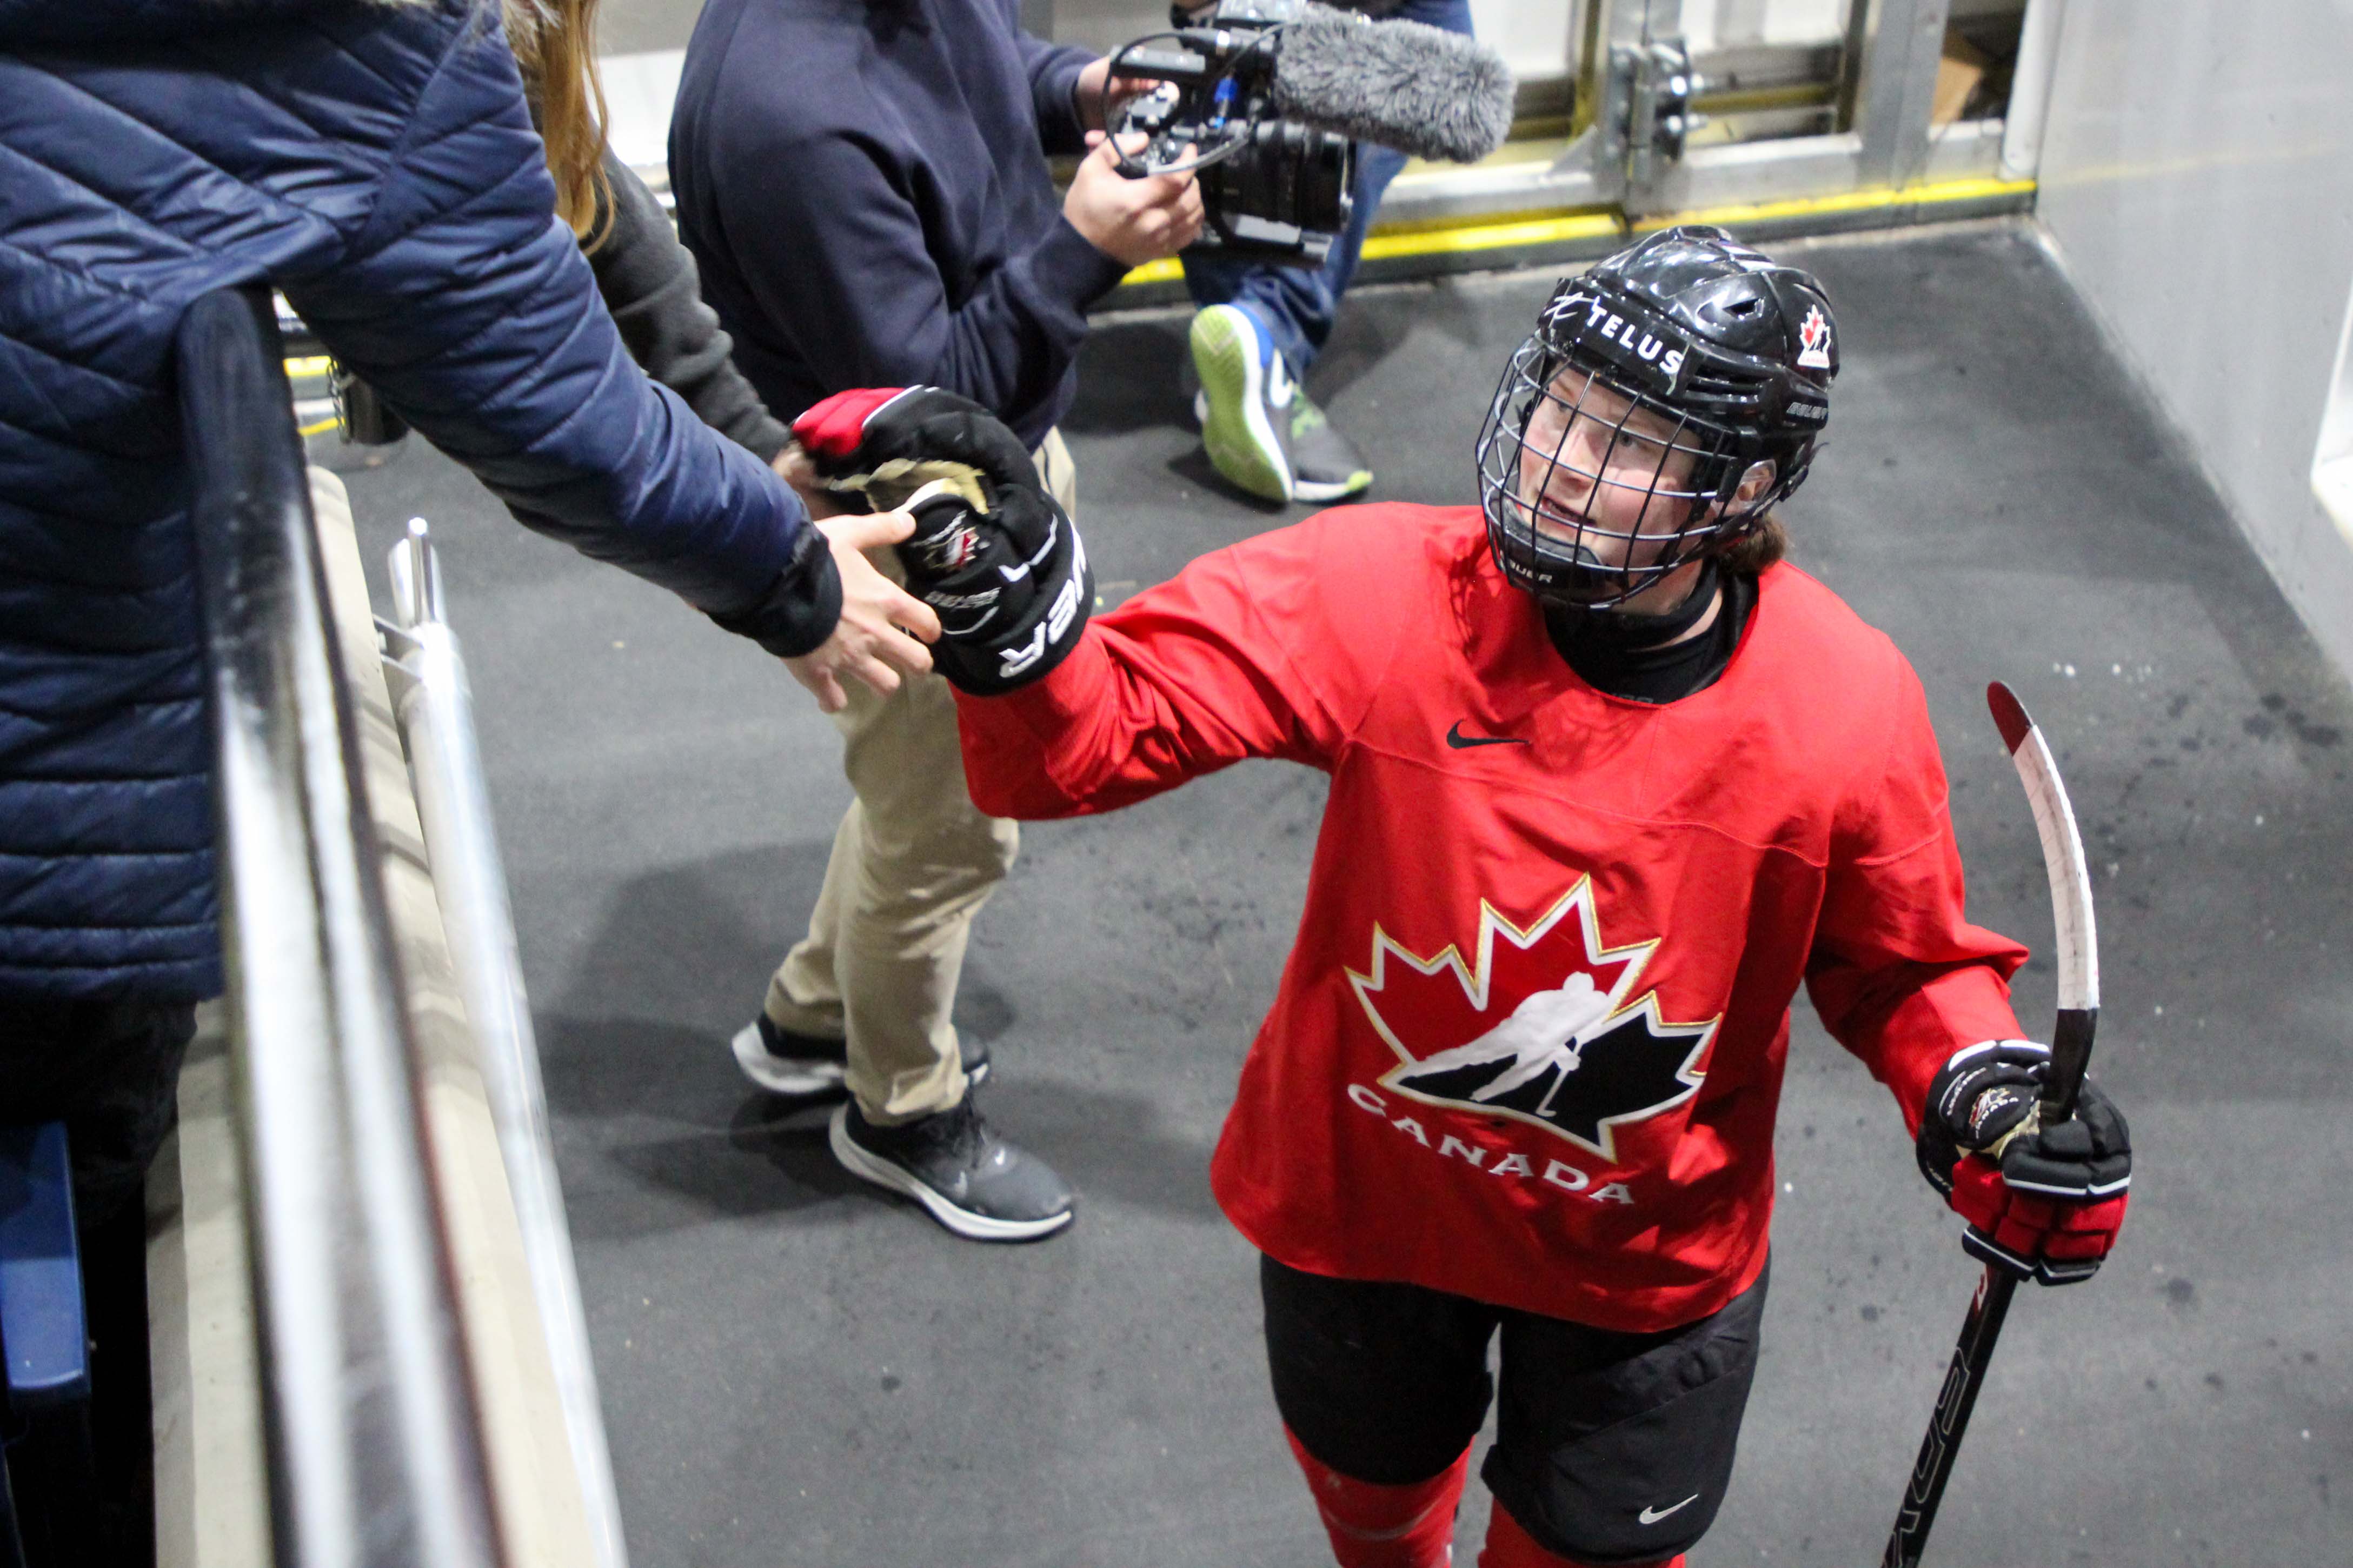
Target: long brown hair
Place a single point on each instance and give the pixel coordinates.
(1759, 548)
(555, 42)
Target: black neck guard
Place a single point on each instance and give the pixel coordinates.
(1624, 631)
(1663, 672)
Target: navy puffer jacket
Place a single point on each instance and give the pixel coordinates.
(376, 162)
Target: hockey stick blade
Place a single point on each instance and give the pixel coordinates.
(2077, 944)
(2071, 1053)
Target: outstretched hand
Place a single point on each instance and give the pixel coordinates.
(875, 639)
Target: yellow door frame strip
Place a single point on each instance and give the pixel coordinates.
(1524, 230)
(1557, 230)
(1944, 193)
(1446, 239)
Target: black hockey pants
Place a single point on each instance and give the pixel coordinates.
(1610, 1447)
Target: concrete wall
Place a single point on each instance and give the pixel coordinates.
(2197, 177)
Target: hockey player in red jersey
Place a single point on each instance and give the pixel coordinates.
(1610, 781)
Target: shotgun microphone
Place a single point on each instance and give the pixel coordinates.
(1263, 101)
(1418, 89)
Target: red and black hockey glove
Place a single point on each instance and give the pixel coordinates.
(883, 444)
(2044, 1203)
(992, 553)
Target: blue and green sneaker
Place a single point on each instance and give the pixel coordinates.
(1261, 431)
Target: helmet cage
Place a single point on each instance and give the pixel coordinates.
(1714, 404)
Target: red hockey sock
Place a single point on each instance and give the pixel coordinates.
(1509, 1546)
(1371, 1526)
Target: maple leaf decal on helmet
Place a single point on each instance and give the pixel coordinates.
(1814, 340)
(1536, 1028)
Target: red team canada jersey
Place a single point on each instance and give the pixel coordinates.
(1529, 1043)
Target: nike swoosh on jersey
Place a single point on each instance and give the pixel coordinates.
(1653, 1516)
(1461, 741)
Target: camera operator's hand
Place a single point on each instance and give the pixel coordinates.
(1099, 95)
(1133, 221)
(871, 640)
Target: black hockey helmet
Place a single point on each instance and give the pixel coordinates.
(1731, 353)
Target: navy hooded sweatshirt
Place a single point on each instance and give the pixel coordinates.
(864, 185)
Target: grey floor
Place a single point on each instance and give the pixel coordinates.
(798, 1372)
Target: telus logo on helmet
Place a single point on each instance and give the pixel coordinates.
(1625, 340)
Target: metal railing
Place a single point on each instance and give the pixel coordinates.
(374, 1444)
(435, 708)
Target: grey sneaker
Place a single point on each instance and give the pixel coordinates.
(786, 1061)
(1323, 465)
(969, 1179)
(1263, 432)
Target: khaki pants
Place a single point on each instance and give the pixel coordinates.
(912, 863)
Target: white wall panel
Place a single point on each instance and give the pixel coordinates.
(1533, 35)
(2198, 178)
(1727, 24)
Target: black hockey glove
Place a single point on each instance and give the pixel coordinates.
(882, 445)
(2044, 1203)
(1011, 586)
(992, 553)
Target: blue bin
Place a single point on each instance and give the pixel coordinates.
(44, 1335)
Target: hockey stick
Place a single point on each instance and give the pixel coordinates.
(2071, 1052)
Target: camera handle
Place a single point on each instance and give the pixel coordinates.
(1184, 66)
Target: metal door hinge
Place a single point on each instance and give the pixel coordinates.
(1656, 81)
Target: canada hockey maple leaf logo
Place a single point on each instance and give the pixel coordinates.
(1814, 340)
(1536, 1028)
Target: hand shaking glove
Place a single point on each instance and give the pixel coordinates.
(991, 552)
(2044, 1203)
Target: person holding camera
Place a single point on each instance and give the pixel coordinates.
(863, 186)
(1260, 327)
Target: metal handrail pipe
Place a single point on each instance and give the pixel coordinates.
(2030, 89)
(434, 705)
(374, 1443)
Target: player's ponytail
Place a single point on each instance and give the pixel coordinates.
(1763, 545)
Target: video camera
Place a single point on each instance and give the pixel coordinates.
(1261, 100)
(1271, 189)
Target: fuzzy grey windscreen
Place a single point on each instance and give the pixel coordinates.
(1406, 84)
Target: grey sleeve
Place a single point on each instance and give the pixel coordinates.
(648, 283)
